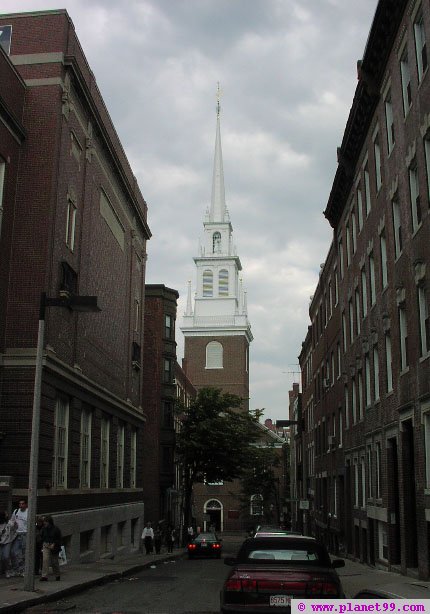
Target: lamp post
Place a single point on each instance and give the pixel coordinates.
(75, 303)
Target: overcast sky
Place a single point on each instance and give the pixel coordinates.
(287, 69)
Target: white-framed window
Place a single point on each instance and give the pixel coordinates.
(360, 395)
(356, 485)
(61, 443)
(369, 472)
(403, 335)
(405, 74)
(357, 311)
(388, 362)
(335, 496)
(256, 507)
(424, 321)
(420, 45)
(70, 225)
(348, 245)
(367, 189)
(340, 427)
(208, 283)
(377, 154)
(375, 373)
(359, 208)
(168, 373)
(214, 355)
(344, 331)
(169, 326)
(346, 397)
(415, 197)
(120, 456)
(136, 315)
(389, 119)
(104, 452)
(383, 541)
(330, 298)
(353, 232)
(368, 381)
(397, 228)
(363, 481)
(85, 456)
(332, 371)
(336, 288)
(216, 242)
(372, 279)
(351, 320)
(339, 361)
(340, 256)
(133, 457)
(378, 469)
(223, 282)
(384, 267)
(353, 400)
(364, 292)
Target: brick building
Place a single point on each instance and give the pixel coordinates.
(74, 222)
(159, 392)
(365, 361)
(217, 336)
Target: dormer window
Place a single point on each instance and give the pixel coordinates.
(216, 243)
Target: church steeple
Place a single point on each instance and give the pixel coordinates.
(218, 208)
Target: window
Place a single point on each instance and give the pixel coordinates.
(344, 331)
(223, 282)
(167, 375)
(360, 395)
(61, 425)
(214, 355)
(353, 401)
(367, 190)
(405, 74)
(120, 456)
(378, 469)
(340, 256)
(167, 414)
(388, 362)
(339, 364)
(208, 283)
(340, 427)
(415, 198)
(403, 334)
(363, 482)
(256, 505)
(351, 320)
(377, 154)
(384, 269)
(420, 46)
(397, 228)
(345, 395)
(353, 232)
(69, 279)
(424, 321)
(389, 118)
(357, 311)
(70, 225)
(360, 208)
(356, 485)
(85, 460)
(368, 380)
(364, 292)
(136, 355)
(383, 541)
(216, 243)
(336, 288)
(2, 174)
(375, 373)
(427, 154)
(104, 453)
(372, 279)
(136, 315)
(168, 326)
(133, 457)
(426, 419)
(348, 245)
(369, 471)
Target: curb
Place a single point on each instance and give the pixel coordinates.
(83, 586)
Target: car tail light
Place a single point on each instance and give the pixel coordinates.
(233, 585)
(322, 588)
(192, 546)
(216, 546)
(249, 585)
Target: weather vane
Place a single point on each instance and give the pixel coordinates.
(218, 99)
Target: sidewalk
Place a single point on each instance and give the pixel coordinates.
(76, 578)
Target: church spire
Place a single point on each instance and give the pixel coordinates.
(218, 208)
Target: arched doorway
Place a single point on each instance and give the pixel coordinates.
(213, 509)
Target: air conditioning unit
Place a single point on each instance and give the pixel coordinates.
(332, 441)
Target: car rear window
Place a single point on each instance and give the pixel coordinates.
(285, 550)
(206, 537)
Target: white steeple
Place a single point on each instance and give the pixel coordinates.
(219, 305)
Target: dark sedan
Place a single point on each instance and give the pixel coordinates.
(268, 572)
(205, 544)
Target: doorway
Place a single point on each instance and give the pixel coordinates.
(213, 509)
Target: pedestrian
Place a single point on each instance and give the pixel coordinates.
(157, 540)
(51, 546)
(190, 534)
(39, 545)
(17, 553)
(171, 538)
(148, 538)
(7, 535)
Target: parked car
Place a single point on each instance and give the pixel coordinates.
(399, 590)
(205, 544)
(269, 572)
(275, 533)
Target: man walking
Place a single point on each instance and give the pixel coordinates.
(17, 553)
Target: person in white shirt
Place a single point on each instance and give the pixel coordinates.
(17, 554)
(148, 538)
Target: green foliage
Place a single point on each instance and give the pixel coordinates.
(260, 479)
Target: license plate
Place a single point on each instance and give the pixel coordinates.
(280, 600)
(203, 545)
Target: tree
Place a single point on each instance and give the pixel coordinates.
(214, 441)
(259, 481)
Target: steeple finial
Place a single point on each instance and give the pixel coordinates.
(217, 212)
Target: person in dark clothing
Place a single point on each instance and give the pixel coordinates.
(157, 540)
(39, 544)
(51, 546)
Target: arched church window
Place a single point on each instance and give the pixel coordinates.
(216, 243)
(256, 505)
(223, 282)
(214, 355)
(208, 283)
